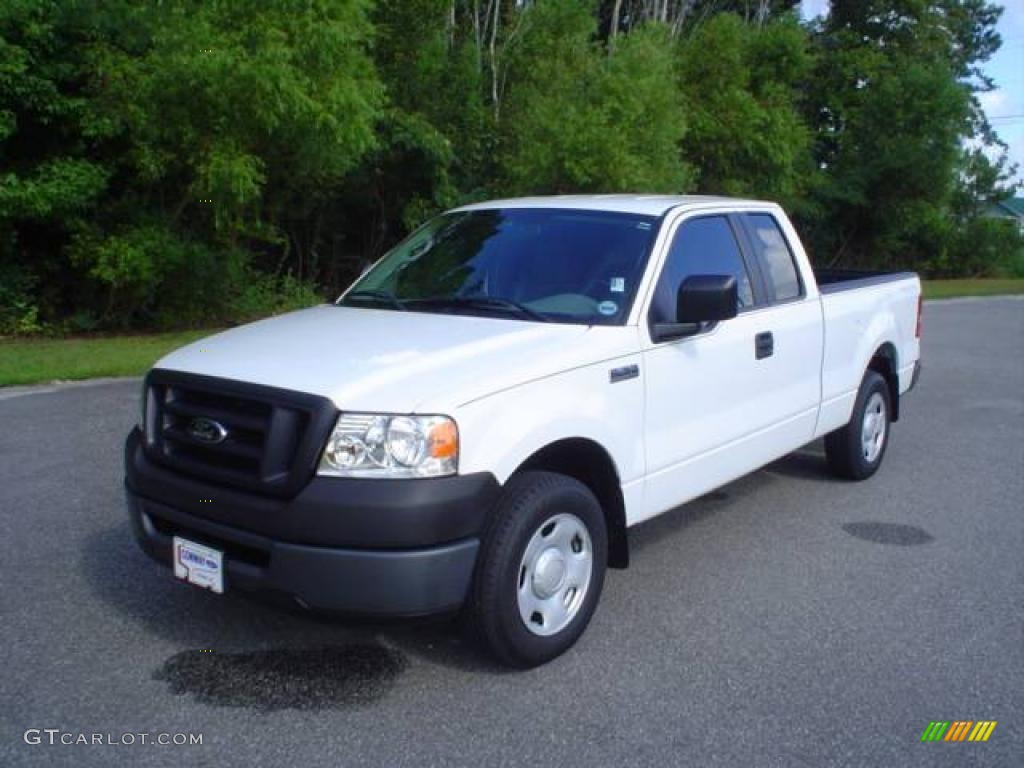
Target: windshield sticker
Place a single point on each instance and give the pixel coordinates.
(618, 284)
(607, 308)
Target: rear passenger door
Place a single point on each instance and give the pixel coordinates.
(791, 375)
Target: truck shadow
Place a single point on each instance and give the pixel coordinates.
(240, 652)
(808, 463)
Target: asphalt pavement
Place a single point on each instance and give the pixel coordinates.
(788, 619)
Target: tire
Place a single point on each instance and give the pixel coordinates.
(543, 529)
(855, 452)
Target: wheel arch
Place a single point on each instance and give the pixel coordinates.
(588, 462)
(885, 362)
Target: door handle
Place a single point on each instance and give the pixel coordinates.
(764, 345)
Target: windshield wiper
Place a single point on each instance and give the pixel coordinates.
(486, 302)
(375, 295)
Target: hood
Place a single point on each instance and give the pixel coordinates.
(382, 360)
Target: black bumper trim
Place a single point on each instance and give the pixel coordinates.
(371, 582)
(328, 511)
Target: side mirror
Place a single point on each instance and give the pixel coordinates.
(701, 301)
(706, 299)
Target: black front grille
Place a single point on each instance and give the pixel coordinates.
(270, 440)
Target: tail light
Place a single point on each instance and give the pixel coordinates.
(920, 304)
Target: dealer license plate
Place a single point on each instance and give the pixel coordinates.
(199, 565)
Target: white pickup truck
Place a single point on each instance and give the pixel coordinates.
(479, 419)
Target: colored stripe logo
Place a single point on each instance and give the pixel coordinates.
(958, 730)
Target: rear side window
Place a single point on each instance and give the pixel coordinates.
(704, 246)
(772, 251)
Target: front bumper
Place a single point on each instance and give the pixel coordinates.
(374, 547)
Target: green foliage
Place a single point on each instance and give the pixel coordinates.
(432, 137)
(261, 295)
(55, 188)
(575, 119)
(239, 111)
(152, 152)
(149, 275)
(189, 162)
(891, 111)
(984, 247)
(747, 135)
(18, 311)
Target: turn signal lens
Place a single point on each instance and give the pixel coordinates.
(443, 442)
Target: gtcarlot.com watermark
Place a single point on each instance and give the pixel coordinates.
(57, 736)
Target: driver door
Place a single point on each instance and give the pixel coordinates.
(705, 396)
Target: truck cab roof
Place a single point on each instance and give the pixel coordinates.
(651, 205)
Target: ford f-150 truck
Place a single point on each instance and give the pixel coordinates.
(479, 419)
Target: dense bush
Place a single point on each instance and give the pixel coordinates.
(984, 247)
(192, 162)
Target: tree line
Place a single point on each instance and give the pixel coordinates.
(166, 163)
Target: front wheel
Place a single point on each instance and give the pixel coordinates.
(855, 451)
(541, 568)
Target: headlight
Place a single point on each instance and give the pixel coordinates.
(384, 445)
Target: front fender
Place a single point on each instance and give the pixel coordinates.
(501, 431)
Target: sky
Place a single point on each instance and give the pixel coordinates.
(1004, 105)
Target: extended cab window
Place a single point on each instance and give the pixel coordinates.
(704, 246)
(571, 266)
(772, 251)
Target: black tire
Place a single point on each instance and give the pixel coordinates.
(529, 501)
(844, 449)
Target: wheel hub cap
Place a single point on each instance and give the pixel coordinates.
(548, 573)
(554, 574)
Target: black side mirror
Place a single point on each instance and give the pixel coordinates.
(701, 300)
(706, 299)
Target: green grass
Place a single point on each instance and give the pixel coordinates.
(31, 361)
(947, 289)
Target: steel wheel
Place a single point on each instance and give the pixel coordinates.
(873, 426)
(855, 451)
(540, 569)
(554, 574)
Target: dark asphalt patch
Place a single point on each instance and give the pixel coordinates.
(295, 678)
(889, 533)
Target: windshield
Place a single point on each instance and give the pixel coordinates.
(552, 265)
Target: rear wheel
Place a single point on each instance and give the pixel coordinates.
(541, 568)
(856, 451)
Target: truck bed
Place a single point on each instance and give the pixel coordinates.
(836, 280)
(858, 309)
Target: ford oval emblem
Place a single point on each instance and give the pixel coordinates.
(207, 430)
